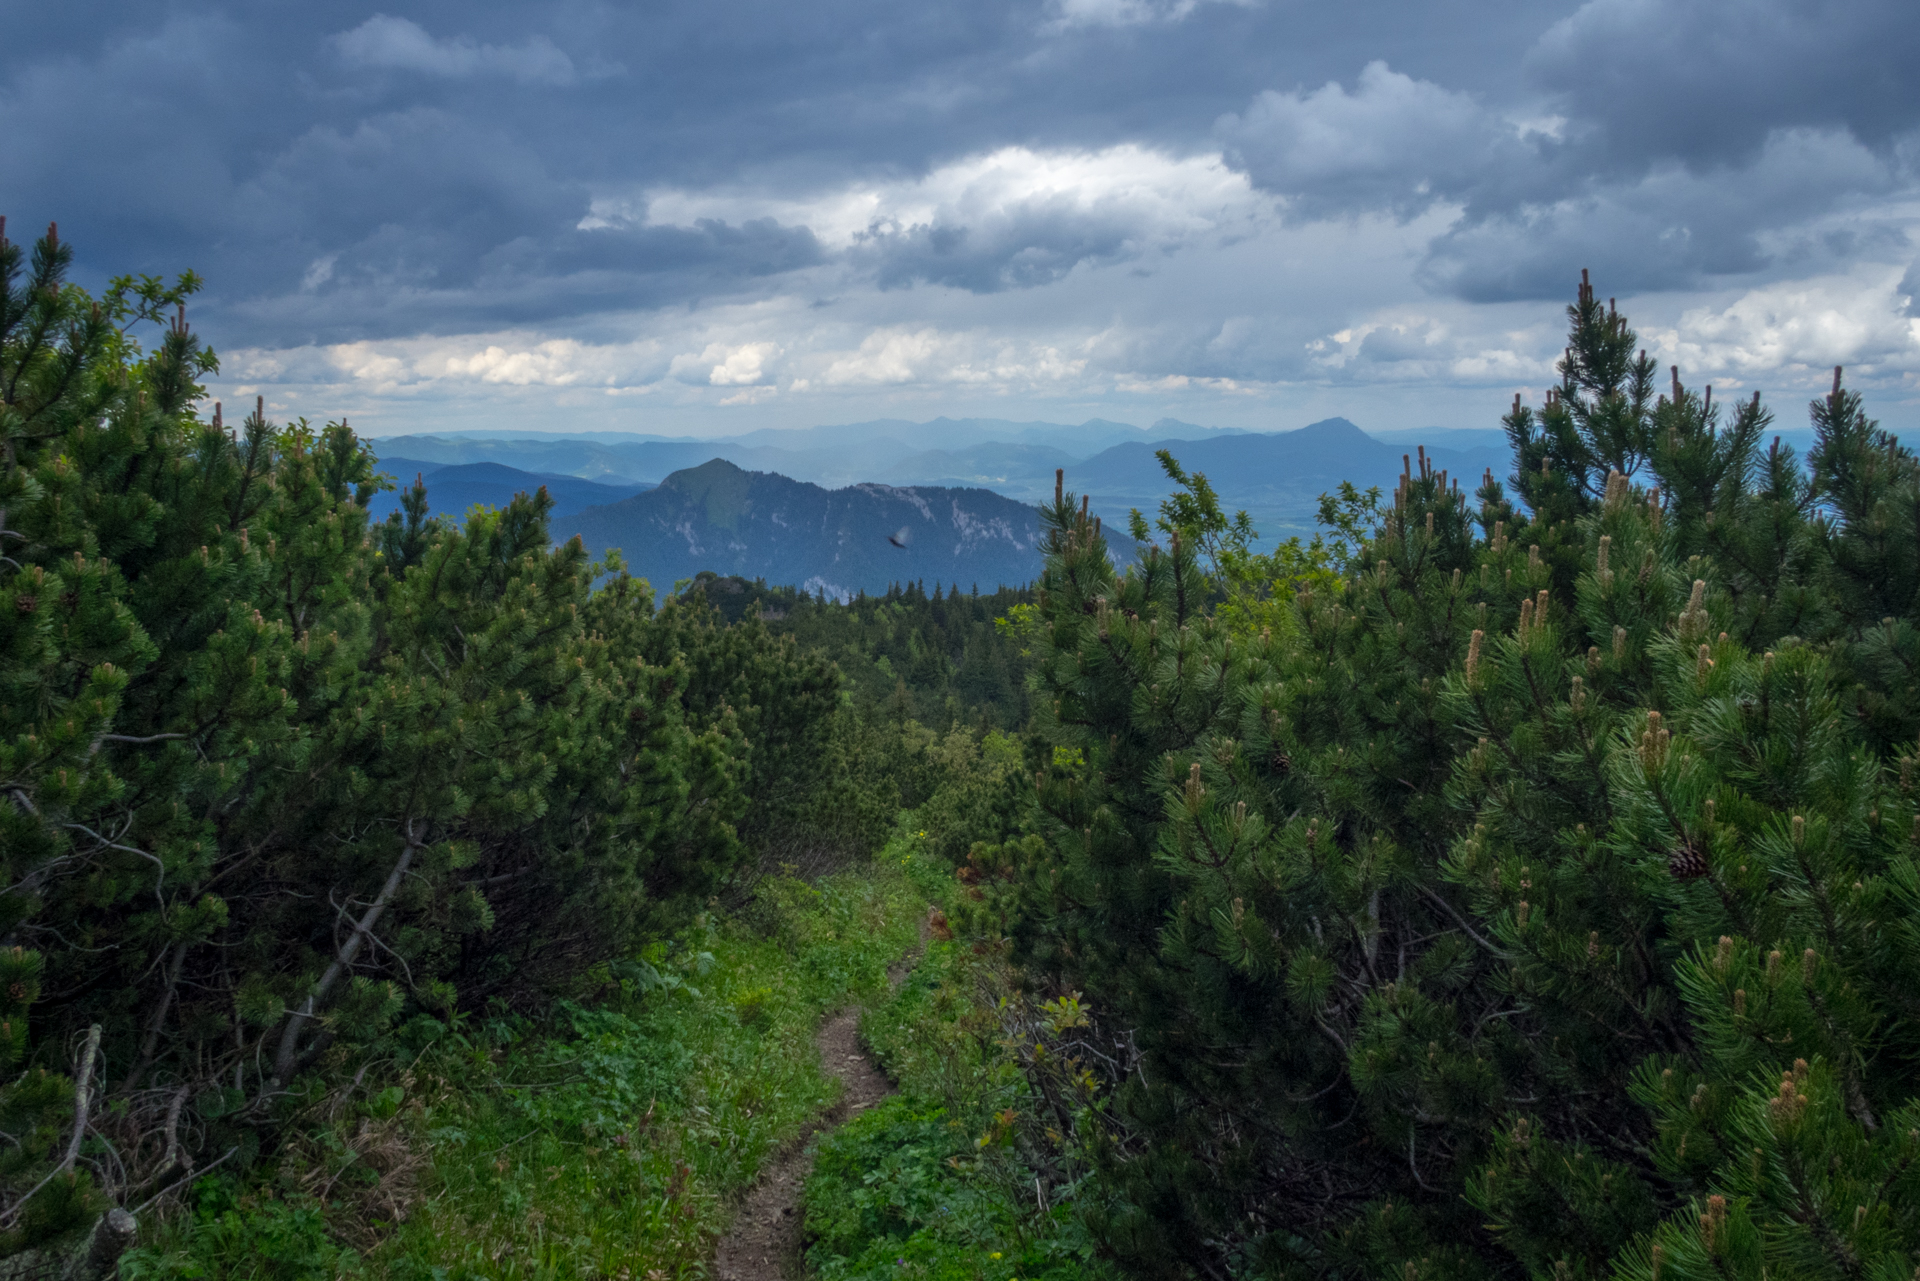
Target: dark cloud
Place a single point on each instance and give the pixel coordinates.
(413, 146)
(369, 292)
(403, 45)
(1697, 141)
(1673, 227)
(341, 172)
(1032, 245)
(1392, 142)
(1708, 82)
(1670, 142)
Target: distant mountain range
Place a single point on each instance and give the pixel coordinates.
(1005, 455)
(762, 525)
(451, 490)
(816, 506)
(1278, 477)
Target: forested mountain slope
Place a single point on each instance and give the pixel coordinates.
(937, 657)
(760, 525)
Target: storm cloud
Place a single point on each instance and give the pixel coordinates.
(707, 217)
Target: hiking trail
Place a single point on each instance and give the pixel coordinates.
(764, 1243)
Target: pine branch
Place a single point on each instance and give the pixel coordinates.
(286, 1059)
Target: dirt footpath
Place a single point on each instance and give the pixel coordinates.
(764, 1242)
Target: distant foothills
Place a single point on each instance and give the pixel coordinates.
(858, 507)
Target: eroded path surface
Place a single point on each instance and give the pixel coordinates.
(764, 1243)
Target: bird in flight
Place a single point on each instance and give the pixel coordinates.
(899, 539)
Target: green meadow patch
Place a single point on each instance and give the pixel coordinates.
(605, 1142)
(955, 1178)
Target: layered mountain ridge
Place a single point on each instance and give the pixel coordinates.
(859, 506)
(453, 489)
(990, 450)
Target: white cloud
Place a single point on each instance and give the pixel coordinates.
(1197, 329)
(907, 355)
(1167, 198)
(365, 363)
(1123, 13)
(403, 45)
(1013, 218)
(1401, 345)
(1800, 329)
(1197, 336)
(416, 364)
(725, 366)
(1138, 384)
(555, 363)
(318, 273)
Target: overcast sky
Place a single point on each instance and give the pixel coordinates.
(715, 216)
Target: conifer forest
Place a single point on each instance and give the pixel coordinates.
(1518, 879)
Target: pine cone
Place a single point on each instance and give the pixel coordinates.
(1687, 860)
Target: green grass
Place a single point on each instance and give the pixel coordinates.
(938, 1182)
(607, 1143)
